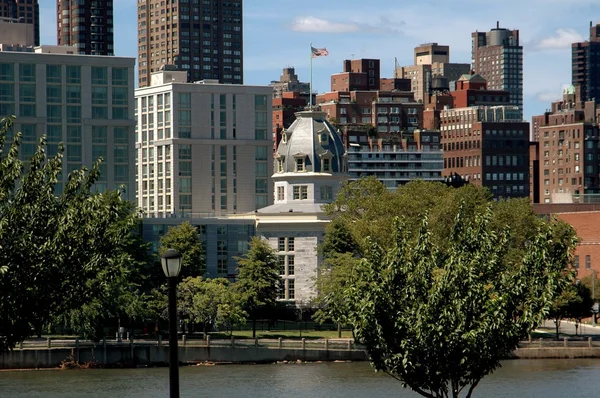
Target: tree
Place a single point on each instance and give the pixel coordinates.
(258, 279)
(573, 301)
(339, 250)
(216, 304)
(337, 274)
(60, 251)
(184, 238)
(440, 316)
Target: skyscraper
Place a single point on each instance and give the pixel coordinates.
(586, 65)
(206, 39)
(498, 57)
(23, 11)
(86, 25)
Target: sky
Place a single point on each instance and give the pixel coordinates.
(278, 33)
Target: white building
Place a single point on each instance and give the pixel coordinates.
(83, 101)
(202, 149)
(310, 165)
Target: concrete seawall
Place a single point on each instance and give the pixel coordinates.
(148, 354)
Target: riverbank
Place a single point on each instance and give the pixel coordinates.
(140, 353)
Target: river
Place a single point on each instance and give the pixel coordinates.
(516, 379)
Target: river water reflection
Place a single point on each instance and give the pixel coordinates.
(517, 378)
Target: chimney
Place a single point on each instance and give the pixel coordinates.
(497, 24)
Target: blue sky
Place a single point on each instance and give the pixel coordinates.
(278, 33)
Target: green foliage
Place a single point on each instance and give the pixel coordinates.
(211, 302)
(572, 301)
(338, 239)
(258, 278)
(184, 238)
(337, 274)
(440, 316)
(64, 255)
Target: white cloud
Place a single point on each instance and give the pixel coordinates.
(562, 38)
(313, 24)
(381, 25)
(547, 96)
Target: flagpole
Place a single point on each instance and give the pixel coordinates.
(310, 90)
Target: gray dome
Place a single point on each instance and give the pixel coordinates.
(312, 138)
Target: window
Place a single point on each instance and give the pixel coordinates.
(7, 72)
(300, 164)
(120, 76)
(27, 72)
(260, 134)
(281, 262)
(53, 93)
(326, 164)
(291, 289)
(260, 102)
(290, 264)
(281, 244)
(280, 193)
(73, 74)
(261, 153)
(222, 266)
(576, 262)
(185, 100)
(300, 192)
(53, 74)
(120, 95)
(7, 92)
(326, 193)
(290, 244)
(588, 261)
(185, 151)
(73, 94)
(99, 75)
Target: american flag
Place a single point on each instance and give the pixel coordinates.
(319, 52)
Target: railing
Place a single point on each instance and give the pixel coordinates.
(185, 341)
(279, 343)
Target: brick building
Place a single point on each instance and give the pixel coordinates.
(430, 60)
(284, 111)
(22, 12)
(568, 150)
(472, 89)
(86, 26)
(586, 65)
(204, 40)
(358, 75)
(584, 218)
(386, 111)
(488, 146)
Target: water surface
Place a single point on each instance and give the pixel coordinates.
(518, 378)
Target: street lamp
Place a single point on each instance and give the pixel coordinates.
(171, 265)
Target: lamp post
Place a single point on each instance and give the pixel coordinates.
(171, 265)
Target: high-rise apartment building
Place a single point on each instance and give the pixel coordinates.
(568, 151)
(498, 56)
(85, 102)
(288, 82)
(431, 53)
(22, 11)
(488, 146)
(430, 61)
(586, 65)
(203, 38)
(397, 160)
(86, 25)
(203, 149)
